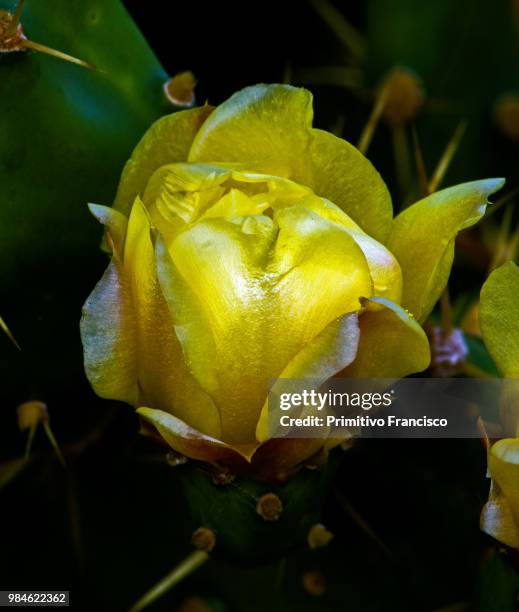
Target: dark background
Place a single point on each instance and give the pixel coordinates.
(114, 522)
(231, 45)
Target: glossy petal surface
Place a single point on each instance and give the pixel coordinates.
(422, 240)
(392, 344)
(272, 124)
(499, 318)
(168, 140)
(246, 298)
(500, 517)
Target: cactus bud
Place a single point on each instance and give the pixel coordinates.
(11, 33)
(31, 414)
(319, 536)
(173, 459)
(269, 507)
(405, 96)
(314, 583)
(194, 604)
(506, 115)
(204, 539)
(180, 89)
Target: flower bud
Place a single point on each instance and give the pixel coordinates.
(506, 115)
(180, 89)
(405, 96)
(248, 246)
(31, 414)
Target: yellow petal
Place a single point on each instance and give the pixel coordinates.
(109, 339)
(263, 123)
(273, 460)
(328, 353)
(278, 191)
(182, 193)
(130, 350)
(392, 344)
(168, 140)
(282, 193)
(192, 443)
(422, 239)
(383, 266)
(322, 272)
(277, 458)
(213, 287)
(499, 318)
(179, 193)
(272, 124)
(184, 190)
(236, 204)
(116, 225)
(244, 303)
(340, 173)
(500, 517)
(164, 378)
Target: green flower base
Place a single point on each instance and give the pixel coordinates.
(243, 536)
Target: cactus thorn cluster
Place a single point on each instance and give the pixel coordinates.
(319, 536)
(269, 507)
(13, 38)
(204, 539)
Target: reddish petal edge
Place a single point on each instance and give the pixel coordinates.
(275, 459)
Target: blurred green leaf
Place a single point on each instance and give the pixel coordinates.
(66, 133)
(479, 356)
(498, 586)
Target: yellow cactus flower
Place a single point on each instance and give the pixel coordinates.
(248, 245)
(499, 320)
(500, 516)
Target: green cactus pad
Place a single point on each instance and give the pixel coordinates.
(230, 510)
(66, 134)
